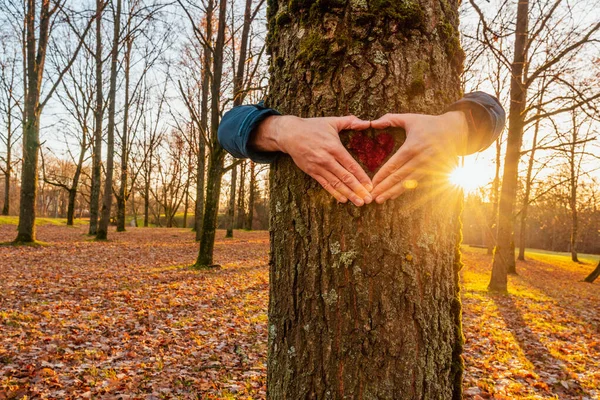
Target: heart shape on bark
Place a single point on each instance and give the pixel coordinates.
(371, 150)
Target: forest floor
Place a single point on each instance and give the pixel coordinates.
(127, 319)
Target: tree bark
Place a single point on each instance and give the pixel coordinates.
(241, 203)
(595, 274)
(217, 154)
(8, 170)
(504, 256)
(31, 117)
(102, 233)
(251, 196)
(495, 203)
(122, 197)
(231, 208)
(206, 84)
(364, 302)
(573, 190)
(98, 118)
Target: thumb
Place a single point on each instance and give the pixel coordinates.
(393, 120)
(349, 122)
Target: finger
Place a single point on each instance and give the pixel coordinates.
(348, 178)
(349, 122)
(350, 164)
(327, 186)
(404, 154)
(337, 184)
(409, 183)
(395, 120)
(380, 191)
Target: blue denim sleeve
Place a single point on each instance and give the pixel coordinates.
(235, 128)
(486, 118)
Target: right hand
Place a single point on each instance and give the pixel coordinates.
(314, 145)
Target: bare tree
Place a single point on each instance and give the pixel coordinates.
(545, 47)
(10, 111)
(102, 233)
(98, 123)
(37, 34)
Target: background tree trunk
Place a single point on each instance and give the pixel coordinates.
(595, 274)
(364, 302)
(251, 197)
(110, 149)
(217, 153)
(504, 255)
(206, 83)
(122, 196)
(241, 202)
(231, 208)
(98, 118)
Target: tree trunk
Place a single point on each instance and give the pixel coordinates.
(528, 183)
(146, 201)
(495, 202)
(251, 196)
(98, 118)
(364, 302)
(206, 81)
(8, 170)
(504, 256)
(595, 274)
(217, 155)
(573, 189)
(186, 203)
(199, 208)
(231, 209)
(102, 233)
(241, 207)
(29, 176)
(31, 117)
(122, 197)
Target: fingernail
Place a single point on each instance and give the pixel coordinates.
(368, 199)
(380, 199)
(343, 199)
(358, 202)
(369, 187)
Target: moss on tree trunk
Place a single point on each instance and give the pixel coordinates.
(364, 302)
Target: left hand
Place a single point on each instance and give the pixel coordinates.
(430, 142)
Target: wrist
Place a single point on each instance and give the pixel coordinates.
(265, 136)
(458, 124)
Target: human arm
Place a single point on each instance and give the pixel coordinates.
(260, 134)
(469, 125)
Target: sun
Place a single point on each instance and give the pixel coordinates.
(468, 178)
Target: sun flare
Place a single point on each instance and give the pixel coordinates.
(468, 178)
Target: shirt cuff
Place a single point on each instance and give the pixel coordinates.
(247, 129)
(485, 118)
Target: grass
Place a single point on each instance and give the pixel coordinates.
(538, 340)
(14, 220)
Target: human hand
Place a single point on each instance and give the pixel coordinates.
(431, 141)
(315, 147)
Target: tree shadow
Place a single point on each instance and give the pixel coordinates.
(551, 370)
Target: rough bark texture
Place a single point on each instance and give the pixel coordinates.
(504, 255)
(217, 155)
(102, 233)
(123, 192)
(35, 57)
(98, 118)
(364, 302)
